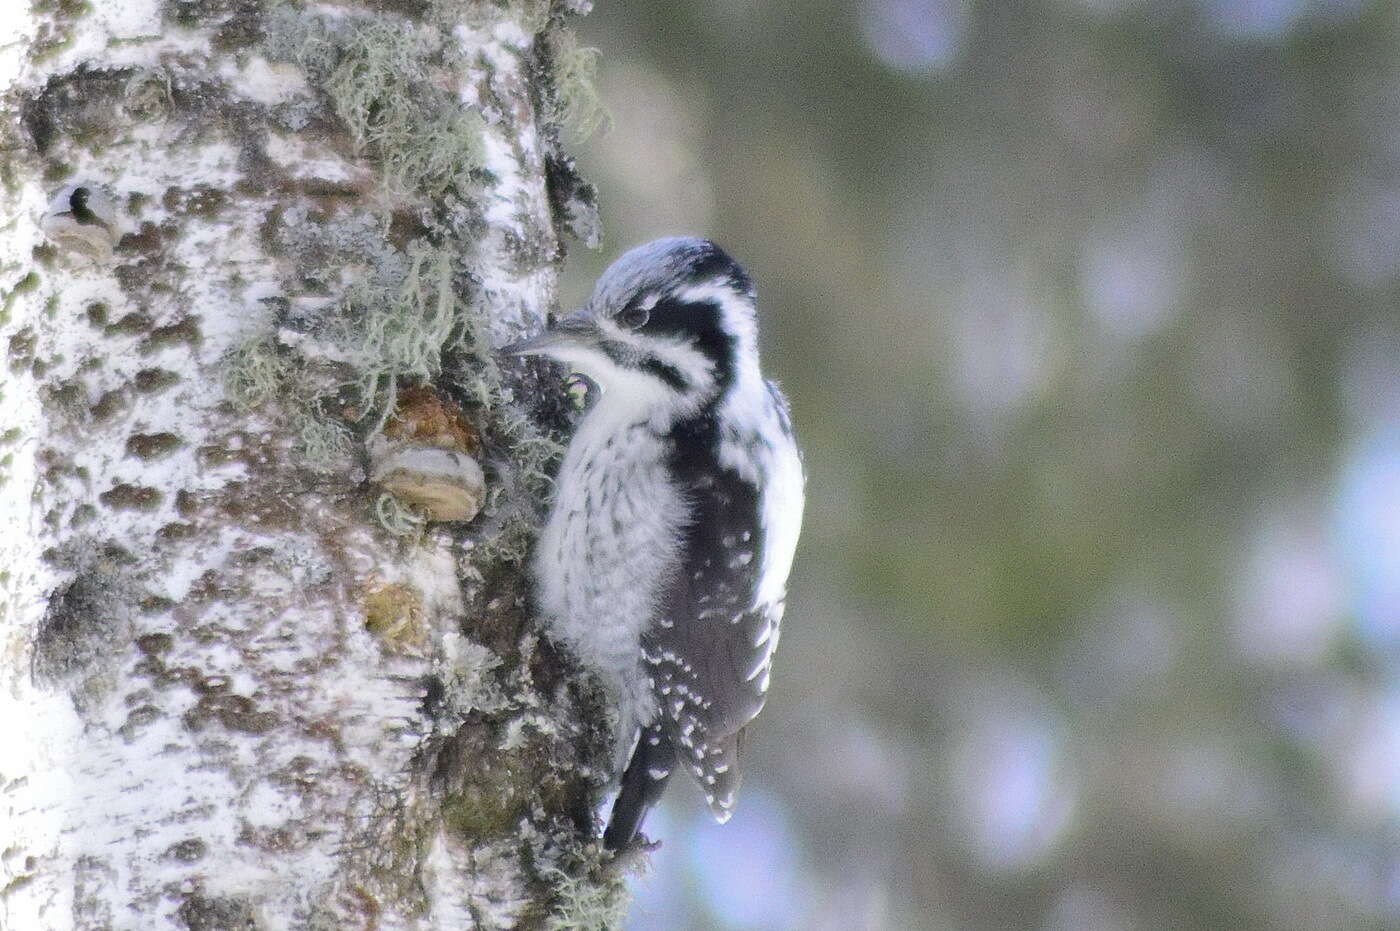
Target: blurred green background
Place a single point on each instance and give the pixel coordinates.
(1088, 313)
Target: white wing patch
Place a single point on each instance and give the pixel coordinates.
(781, 506)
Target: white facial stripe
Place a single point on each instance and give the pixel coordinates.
(586, 359)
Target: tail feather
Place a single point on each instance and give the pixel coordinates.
(643, 782)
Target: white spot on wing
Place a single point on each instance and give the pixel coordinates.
(763, 635)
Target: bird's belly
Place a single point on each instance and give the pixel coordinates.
(602, 560)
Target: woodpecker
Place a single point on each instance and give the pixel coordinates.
(664, 560)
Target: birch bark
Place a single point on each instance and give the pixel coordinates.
(257, 669)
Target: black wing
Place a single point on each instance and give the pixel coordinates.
(708, 655)
(710, 651)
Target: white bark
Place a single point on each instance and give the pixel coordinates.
(229, 697)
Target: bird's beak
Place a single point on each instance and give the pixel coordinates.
(577, 330)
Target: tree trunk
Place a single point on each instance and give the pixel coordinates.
(262, 662)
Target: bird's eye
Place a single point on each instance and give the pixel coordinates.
(634, 317)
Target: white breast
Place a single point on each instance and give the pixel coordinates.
(607, 550)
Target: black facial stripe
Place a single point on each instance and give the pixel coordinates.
(615, 353)
(700, 323)
(667, 373)
(618, 354)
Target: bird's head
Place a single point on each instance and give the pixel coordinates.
(670, 325)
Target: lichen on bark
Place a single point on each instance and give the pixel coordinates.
(324, 215)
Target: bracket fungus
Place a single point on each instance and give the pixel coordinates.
(426, 457)
(83, 219)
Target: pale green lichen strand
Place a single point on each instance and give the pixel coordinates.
(401, 337)
(398, 518)
(576, 85)
(376, 92)
(586, 902)
(255, 373)
(372, 68)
